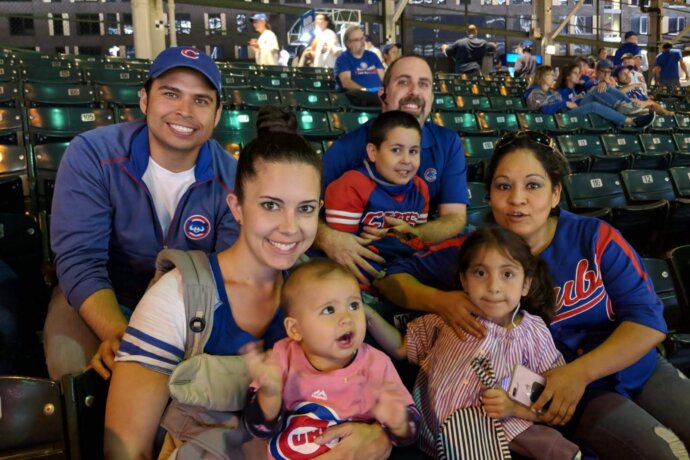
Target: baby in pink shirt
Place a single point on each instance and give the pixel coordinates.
(323, 374)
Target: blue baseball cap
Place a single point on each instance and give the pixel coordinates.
(259, 17)
(186, 56)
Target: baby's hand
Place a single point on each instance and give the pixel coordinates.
(497, 404)
(391, 410)
(262, 369)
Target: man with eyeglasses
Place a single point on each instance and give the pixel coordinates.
(358, 72)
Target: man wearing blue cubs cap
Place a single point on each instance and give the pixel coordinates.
(126, 191)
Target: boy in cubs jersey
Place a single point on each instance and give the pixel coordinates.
(385, 191)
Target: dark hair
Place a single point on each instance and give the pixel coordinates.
(552, 160)
(666, 46)
(389, 70)
(149, 84)
(541, 298)
(565, 73)
(317, 268)
(386, 121)
(328, 20)
(582, 59)
(276, 142)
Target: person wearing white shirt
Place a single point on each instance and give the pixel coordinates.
(266, 47)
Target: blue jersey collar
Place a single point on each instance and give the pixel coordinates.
(140, 153)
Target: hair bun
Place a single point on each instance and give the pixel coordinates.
(273, 119)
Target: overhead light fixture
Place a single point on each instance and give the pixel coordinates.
(551, 49)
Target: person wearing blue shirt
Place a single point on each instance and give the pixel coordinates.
(666, 66)
(628, 46)
(407, 86)
(122, 194)
(357, 71)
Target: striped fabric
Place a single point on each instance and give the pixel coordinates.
(469, 433)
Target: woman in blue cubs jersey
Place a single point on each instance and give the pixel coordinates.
(615, 395)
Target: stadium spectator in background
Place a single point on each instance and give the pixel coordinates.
(666, 66)
(266, 49)
(358, 72)
(407, 86)
(391, 52)
(371, 47)
(125, 192)
(636, 91)
(526, 64)
(325, 47)
(602, 53)
(628, 46)
(468, 53)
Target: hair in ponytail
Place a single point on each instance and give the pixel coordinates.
(277, 141)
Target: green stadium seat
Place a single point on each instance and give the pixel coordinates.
(642, 225)
(663, 124)
(313, 84)
(234, 141)
(462, 122)
(52, 75)
(598, 124)
(251, 98)
(579, 150)
(501, 122)
(347, 121)
(474, 103)
(32, 418)
(658, 151)
(270, 82)
(103, 76)
(50, 94)
(11, 126)
(478, 151)
(572, 123)
(314, 126)
(537, 122)
(683, 122)
(618, 152)
(12, 196)
(507, 104)
(680, 262)
(682, 155)
(119, 95)
(308, 100)
(237, 120)
(231, 81)
(8, 72)
(478, 208)
(680, 176)
(9, 94)
(47, 158)
(123, 114)
(63, 123)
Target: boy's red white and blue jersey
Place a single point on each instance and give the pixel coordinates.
(104, 228)
(442, 166)
(600, 282)
(362, 197)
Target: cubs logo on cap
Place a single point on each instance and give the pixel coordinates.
(307, 422)
(197, 227)
(186, 56)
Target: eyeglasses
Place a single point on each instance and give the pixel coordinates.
(532, 136)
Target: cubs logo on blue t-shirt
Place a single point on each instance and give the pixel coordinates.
(197, 227)
(306, 423)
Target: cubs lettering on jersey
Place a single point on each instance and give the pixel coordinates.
(307, 421)
(361, 197)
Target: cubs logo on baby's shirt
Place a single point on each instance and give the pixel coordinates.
(306, 423)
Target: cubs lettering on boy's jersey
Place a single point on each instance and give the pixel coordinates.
(600, 282)
(361, 197)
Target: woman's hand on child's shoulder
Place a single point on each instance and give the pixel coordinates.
(262, 369)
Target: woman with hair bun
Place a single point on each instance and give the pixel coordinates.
(278, 216)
